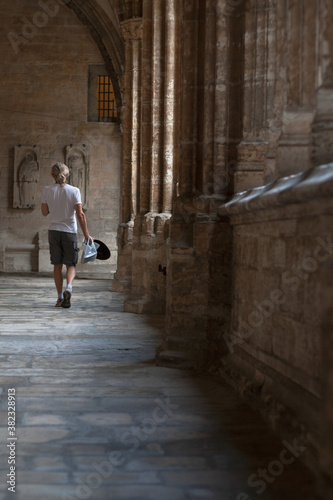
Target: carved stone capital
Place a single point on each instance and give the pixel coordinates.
(132, 29)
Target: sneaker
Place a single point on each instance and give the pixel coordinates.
(67, 299)
(59, 302)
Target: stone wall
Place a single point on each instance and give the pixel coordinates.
(252, 80)
(282, 240)
(225, 223)
(326, 442)
(46, 53)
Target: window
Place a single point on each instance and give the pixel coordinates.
(102, 106)
(107, 110)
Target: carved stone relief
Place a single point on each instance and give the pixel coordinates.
(26, 176)
(77, 160)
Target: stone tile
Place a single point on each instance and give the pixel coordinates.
(167, 463)
(89, 395)
(106, 419)
(39, 435)
(43, 419)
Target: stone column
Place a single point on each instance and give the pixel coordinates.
(155, 192)
(132, 32)
(222, 175)
(198, 240)
(257, 96)
(275, 90)
(146, 108)
(157, 107)
(322, 128)
(170, 104)
(127, 136)
(188, 97)
(181, 262)
(206, 104)
(294, 146)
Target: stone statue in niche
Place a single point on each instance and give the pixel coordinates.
(77, 160)
(26, 176)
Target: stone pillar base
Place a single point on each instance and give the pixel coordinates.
(123, 278)
(147, 293)
(198, 291)
(144, 305)
(120, 286)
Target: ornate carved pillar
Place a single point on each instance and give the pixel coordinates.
(132, 32)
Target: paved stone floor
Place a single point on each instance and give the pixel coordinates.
(96, 419)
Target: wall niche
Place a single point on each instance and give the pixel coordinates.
(78, 160)
(26, 176)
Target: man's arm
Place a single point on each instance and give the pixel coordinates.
(82, 221)
(45, 209)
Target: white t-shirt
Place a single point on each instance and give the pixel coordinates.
(61, 202)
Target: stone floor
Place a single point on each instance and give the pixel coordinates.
(96, 419)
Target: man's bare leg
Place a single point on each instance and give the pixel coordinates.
(58, 278)
(70, 275)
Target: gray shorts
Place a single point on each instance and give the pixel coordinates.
(63, 248)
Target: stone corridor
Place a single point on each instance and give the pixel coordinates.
(97, 419)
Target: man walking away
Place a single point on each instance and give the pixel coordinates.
(62, 202)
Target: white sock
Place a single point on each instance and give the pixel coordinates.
(69, 287)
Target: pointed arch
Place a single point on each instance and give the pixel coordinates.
(103, 24)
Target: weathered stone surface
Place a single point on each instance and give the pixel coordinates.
(95, 415)
(225, 108)
(250, 117)
(43, 97)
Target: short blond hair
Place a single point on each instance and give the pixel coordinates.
(60, 172)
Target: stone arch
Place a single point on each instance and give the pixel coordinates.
(105, 29)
